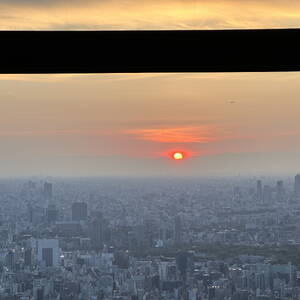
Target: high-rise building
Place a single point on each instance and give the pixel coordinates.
(79, 211)
(96, 232)
(259, 191)
(279, 190)
(30, 213)
(28, 257)
(47, 256)
(267, 194)
(51, 213)
(48, 252)
(297, 185)
(47, 190)
(10, 259)
(39, 293)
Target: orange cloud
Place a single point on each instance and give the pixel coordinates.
(61, 132)
(195, 134)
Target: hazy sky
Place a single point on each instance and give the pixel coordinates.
(128, 124)
(148, 14)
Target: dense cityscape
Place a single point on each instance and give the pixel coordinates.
(150, 238)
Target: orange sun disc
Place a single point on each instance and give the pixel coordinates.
(178, 155)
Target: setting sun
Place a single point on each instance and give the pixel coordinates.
(178, 156)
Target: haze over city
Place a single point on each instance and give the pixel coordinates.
(157, 186)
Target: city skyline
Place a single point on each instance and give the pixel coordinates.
(150, 186)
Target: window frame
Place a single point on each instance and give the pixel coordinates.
(48, 52)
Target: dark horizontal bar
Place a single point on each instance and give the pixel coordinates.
(149, 51)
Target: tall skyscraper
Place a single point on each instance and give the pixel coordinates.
(47, 190)
(297, 185)
(28, 257)
(279, 190)
(10, 259)
(79, 211)
(51, 213)
(267, 194)
(259, 191)
(96, 232)
(30, 213)
(48, 252)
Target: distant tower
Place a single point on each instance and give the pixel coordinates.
(51, 213)
(279, 190)
(259, 190)
(28, 257)
(297, 185)
(96, 232)
(30, 213)
(267, 194)
(10, 259)
(79, 211)
(47, 190)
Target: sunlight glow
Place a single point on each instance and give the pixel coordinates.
(178, 156)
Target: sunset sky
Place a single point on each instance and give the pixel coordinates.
(148, 14)
(129, 124)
